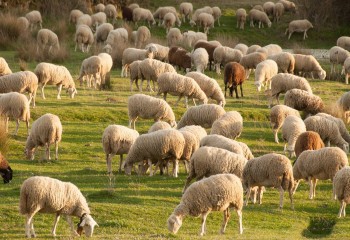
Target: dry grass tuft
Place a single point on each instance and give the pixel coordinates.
(10, 31)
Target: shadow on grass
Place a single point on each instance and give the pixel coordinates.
(319, 227)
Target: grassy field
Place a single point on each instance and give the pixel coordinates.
(137, 207)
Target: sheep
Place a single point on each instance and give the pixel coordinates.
(151, 69)
(140, 105)
(337, 55)
(190, 147)
(253, 48)
(265, 70)
(298, 26)
(49, 195)
(34, 18)
(160, 125)
(142, 36)
(194, 19)
(46, 130)
(303, 101)
(168, 21)
(308, 140)
(209, 86)
(160, 145)
(216, 14)
(196, 130)
(285, 62)
(186, 9)
(270, 49)
(282, 82)
(178, 85)
(190, 38)
(102, 32)
(4, 67)
(343, 103)
(344, 42)
(111, 12)
(206, 20)
(55, 75)
(321, 164)
(100, 7)
(288, 5)
(47, 39)
(202, 115)
(200, 59)
(278, 11)
(269, 170)
(15, 106)
(84, 19)
(229, 125)
(134, 74)
(241, 15)
(133, 6)
(91, 68)
(341, 126)
(132, 54)
(174, 37)
(117, 139)
(328, 130)
(308, 64)
(23, 23)
(251, 60)
(98, 18)
(5, 170)
(258, 7)
(219, 141)
(346, 69)
(268, 8)
(83, 38)
(223, 55)
(127, 14)
(180, 58)
(228, 192)
(247, 153)
(292, 127)
(20, 82)
(260, 17)
(116, 38)
(242, 47)
(74, 15)
(210, 48)
(142, 14)
(234, 75)
(341, 188)
(162, 11)
(161, 53)
(107, 64)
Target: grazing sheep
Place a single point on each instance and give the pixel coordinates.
(298, 26)
(142, 36)
(258, 7)
(282, 82)
(111, 12)
(174, 37)
(5, 170)
(142, 14)
(308, 140)
(132, 54)
(186, 9)
(34, 18)
(268, 8)
(107, 64)
(337, 55)
(196, 130)
(84, 19)
(223, 55)
(162, 11)
(285, 62)
(210, 48)
(219, 141)
(343, 104)
(4, 67)
(260, 17)
(190, 38)
(47, 39)
(191, 146)
(269, 170)
(341, 186)
(303, 101)
(200, 59)
(127, 14)
(288, 5)
(229, 125)
(180, 58)
(328, 130)
(194, 19)
(253, 48)
(46, 130)
(278, 11)
(97, 19)
(242, 47)
(161, 52)
(116, 38)
(265, 70)
(344, 42)
(15, 106)
(160, 125)
(202, 115)
(102, 32)
(74, 15)
(83, 38)
(91, 68)
(308, 64)
(224, 190)
(292, 127)
(55, 75)
(20, 82)
(147, 107)
(247, 153)
(23, 23)
(133, 6)
(178, 85)
(49, 195)
(234, 75)
(168, 21)
(216, 14)
(270, 49)
(321, 164)
(241, 15)
(100, 7)
(134, 74)
(206, 21)
(341, 126)
(251, 60)
(117, 139)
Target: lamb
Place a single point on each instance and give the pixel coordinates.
(228, 192)
(269, 170)
(268, 8)
(206, 20)
(341, 188)
(200, 59)
(142, 14)
(292, 127)
(219, 141)
(4, 67)
(341, 126)
(98, 18)
(5, 170)
(328, 130)
(74, 15)
(55, 75)
(285, 62)
(132, 54)
(186, 9)
(321, 164)
(234, 75)
(102, 32)
(223, 55)
(343, 104)
(100, 7)
(111, 12)
(160, 145)
(210, 48)
(265, 70)
(278, 11)
(15, 106)
(84, 19)
(117, 139)
(20, 82)
(34, 18)
(344, 42)
(259, 16)
(253, 48)
(161, 52)
(308, 64)
(308, 140)
(251, 60)
(288, 5)
(216, 14)
(142, 36)
(346, 69)
(270, 49)
(178, 85)
(47, 39)
(298, 26)
(49, 195)
(174, 37)
(168, 21)
(203, 115)
(107, 64)
(208, 161)
(190, 38)
(45, 131)
(160, 125)
(337, 55)
(303, 101)
(241, 15)
(180, 58)
(91, 68)
(282, 82)
(140, 105)
(209, 86)
(229, 125)
(83, 38)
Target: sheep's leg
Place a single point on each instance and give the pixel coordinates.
(186, 101)
(188, 181)
(56, 150)
(17, 126)
(314, 187)
(260, 194)
(178, 100)
(240, 86)
(226, 218)
(239, 213)
(7, 124)
(248, 196)
(281, 196)
(290, 34)
(29, 226)
(150, 167)
(194, 102)
(59, 89)
(217, 68)
(27, 124)
(275, 133)
(204, 218)
(296, 186)
(290, 192)
(342, 209)
(121, 163)
(57, 218)
(71, 224)
(311, 187)
(304, 35)
(48, 157)
(346, 78)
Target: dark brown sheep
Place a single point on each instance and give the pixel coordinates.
(127, 14)
(308, 140)
(234, 75)
(210, 50)
(5, 169)
(179, 57)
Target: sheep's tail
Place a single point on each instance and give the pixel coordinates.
(23, 209)
(291, 67)
(287, 180)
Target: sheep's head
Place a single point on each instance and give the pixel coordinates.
(107, 48)
(173, 124)
(269, 24)
(29, 153)
(322, 74)
(127, 168)
(6, 174)
(345, 147)
(258, 85)
(87, 225)
(72, 91)
(192, 23)
(174, 223)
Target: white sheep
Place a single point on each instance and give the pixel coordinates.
(116, 38)
(4, 67)
(23, 23)
(285, 61)
(242, 47)
(194, 19)
(268, 8)
(117, 139)
(161, 52)
(134, 74)
(133, 6)
(308, 64)
(288, 5)
(222, 55)
(224, 190)
(84, 19)
(219, 141)
(142, 14)
(344, 42)
(162, 11)
(265, 70)
(97, 19)
(91, 68)
(186, 9)
(251, 60)
(278, 11)
(346, 69)
(178, 85)
(303, 101)
(174, 37)
(132, 54)
(200, 59)
(270, 49)
(190, 38)
(45, 131)
(47, 39)
(168, 21)
(337, 55)
(83, 38)
(49, 195)
(260, 17)
(191, 146)
(241, 15)
(15, 106)
(321, 164)
(107, 64)
(206, 21)
(74, 15)
(142, 36)
(229, 125)
(197, 130)
(253, 48)
(34, 18)
(147, 107)
(343, 103)
(102, 32)
(292, 127)
(111, 12)
(341, 186)
(216, 14)
(49, 73)
(99, 7)
(299, 26)
(160, 125)
(341, 125)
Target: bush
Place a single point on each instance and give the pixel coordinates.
(10, 31)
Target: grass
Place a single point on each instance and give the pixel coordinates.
(137, 207)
